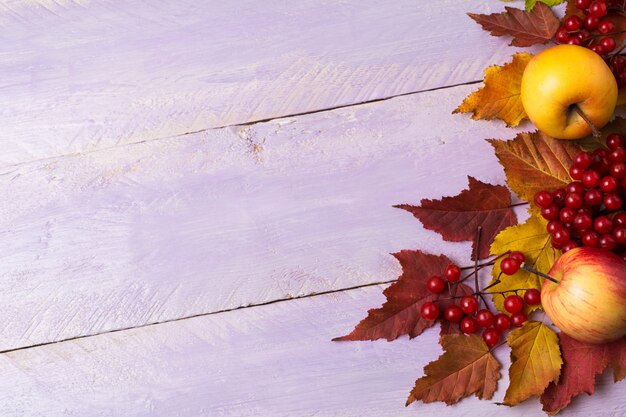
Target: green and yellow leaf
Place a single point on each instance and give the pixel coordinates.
(532, 239)
(535, 361)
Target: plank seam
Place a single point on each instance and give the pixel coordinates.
(280, 300)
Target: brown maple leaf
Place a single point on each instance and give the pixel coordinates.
(583, 362)
(466, 367)
(457, 218)
(401, 314)
(534, 162)
(537, 26)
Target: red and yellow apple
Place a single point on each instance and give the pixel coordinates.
(589, 301)
(558, 79)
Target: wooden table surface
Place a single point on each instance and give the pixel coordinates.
(197, 197)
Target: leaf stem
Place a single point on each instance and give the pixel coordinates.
(594, 130)
(538, 273)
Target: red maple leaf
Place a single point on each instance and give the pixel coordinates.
(457, 218)
(582, 362)
(400, 314)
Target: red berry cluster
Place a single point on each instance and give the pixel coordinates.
(467, 313)
(589, 211)
(596, 32)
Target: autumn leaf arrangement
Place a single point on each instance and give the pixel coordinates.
(544, 173)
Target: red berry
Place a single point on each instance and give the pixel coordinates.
(558, 196)
(591, 239)
(598, 8)
(576, 172)
(561, 35)
(608, 44)
(607, 242)
(606, 26)
(591, 179)
(430, 310)
(582, 160)
(574, 200)
(619, 234)
(618, 171)
(618, 156)
(435, 284)
(469, 304)
(614, 141)
(573, 23)
(485, 318)
(532, 297)
(583, 36)
(593, 197)
(503, 322)
(597, 49)
(513, 304)
(591, 22)
(583, 4)
(518, 256)
(551, 212)
(554, 225)
(509, 266)
(612, 202)
(561, 237)
(603, 224)
(491, 336)
(574, 41)
(586, 210)
(568, 246)
(453, 273)
(575, 187)
(469, 325)
(543, 199)
(518, 319)
(608, 184)
(567, 214)
(583, 221)
(453, 314)
(620, 219)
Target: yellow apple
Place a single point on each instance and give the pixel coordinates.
(562, 77)
(589, 301)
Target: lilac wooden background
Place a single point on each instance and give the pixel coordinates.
(167, 166)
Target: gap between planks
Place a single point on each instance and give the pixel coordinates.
(279, 300)
(246, 124)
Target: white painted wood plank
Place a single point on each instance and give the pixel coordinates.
(276, 360)
(79, 75)
(216, 220)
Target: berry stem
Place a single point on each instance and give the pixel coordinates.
(594, 129)
(541, 274)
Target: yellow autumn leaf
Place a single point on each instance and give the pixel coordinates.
(532, 239)
(535, 361)
(500, 96)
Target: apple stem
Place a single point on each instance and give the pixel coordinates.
(541, 274)
(594, 129)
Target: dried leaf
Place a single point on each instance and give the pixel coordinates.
(500, 97)
(534, 162)
(457, 218)
(466, 367)
(400, 314)
(535, 361)
(583, 362)
(532, 239)
(527, 27)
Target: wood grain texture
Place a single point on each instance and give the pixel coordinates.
(81, 75)
(270, 361)
(230, 217)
